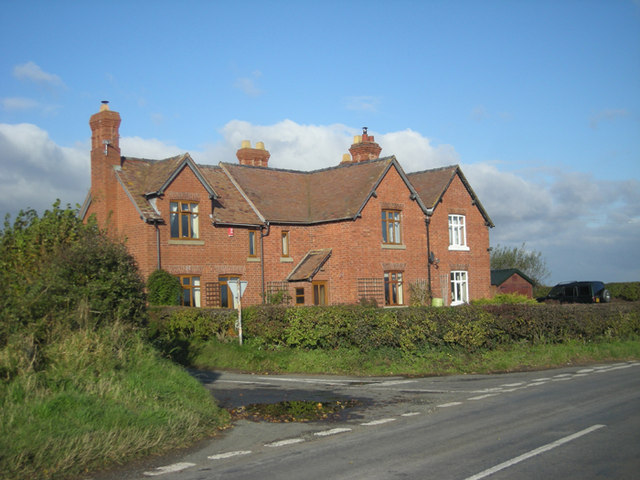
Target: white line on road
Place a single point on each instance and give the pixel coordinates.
(410, 414)
(389, 383)
(512, 384)
(221, 456)
(282, 443)
(481, 397)
(378, 422)
(333, 431)
(176, 467)
(451, 404)
(533, 453)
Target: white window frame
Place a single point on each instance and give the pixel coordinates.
(458, 232)
(459, 282)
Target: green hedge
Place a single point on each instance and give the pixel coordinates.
(629, 291)
(409, 329)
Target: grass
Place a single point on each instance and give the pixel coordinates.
(435, 361)
(104, 398)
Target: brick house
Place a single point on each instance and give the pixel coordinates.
(363, 229)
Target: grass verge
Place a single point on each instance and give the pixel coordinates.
(104, 398)
(435, 361)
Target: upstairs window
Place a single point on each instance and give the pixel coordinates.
(253, 246)
(391, 227)
(457, 233)
(190, 290)
(285, 244)
(184, 220)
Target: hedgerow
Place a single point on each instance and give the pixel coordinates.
(471, 327)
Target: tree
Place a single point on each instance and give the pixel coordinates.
(531, 263)
(59, 274)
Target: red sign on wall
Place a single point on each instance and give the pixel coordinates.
(231, 231)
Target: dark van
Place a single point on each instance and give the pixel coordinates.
(578, 292)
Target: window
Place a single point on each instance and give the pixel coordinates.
(299, 296)
(253, 246)
(184, 220)
(190, 290)
(391, 227)
(457, 233)
(319, 293)
(459, 288)
(285, 244)
(226, 297)
(393, 288)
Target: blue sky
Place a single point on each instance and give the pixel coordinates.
(538, 101)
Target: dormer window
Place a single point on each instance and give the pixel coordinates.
(184, 220)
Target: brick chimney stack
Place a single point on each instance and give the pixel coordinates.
(257, 157)
(105, 155)
(364, 148)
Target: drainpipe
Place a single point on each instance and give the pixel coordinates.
(158, 246)
(266, 227)
(427, 221)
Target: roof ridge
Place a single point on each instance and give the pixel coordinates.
(455, 165)
(307, 172)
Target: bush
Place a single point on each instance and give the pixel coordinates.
(629, 291)
(58, 275)
(504, 298)
(163, 288)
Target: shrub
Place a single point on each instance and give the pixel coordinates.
(629, 291)
(504, 298)
(58, 274)
(163, 288)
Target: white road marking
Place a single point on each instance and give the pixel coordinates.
(392, 382)
(560, 375)
(221, 456)
(451, 404)
(481, 397)
(176, 467)
(561, 379)
(378, 422)
(586, 370)
(410, 414)
(333, 431)
(512, 384)
(282, 443)
(533, 453)
(535, 384)
(544, 379)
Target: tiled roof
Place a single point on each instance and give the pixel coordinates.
(432, 184)
(310, 264)
(247, 195)
(498, 277)
(288, 196)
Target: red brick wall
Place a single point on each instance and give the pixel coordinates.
(515, 284)
(475, 261)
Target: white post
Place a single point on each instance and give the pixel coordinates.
(239, 318)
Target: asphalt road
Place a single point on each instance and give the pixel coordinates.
(570, 423)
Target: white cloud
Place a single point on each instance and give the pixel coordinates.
(19, 103)
(32, 72)
(147, 148)
(35, 171)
